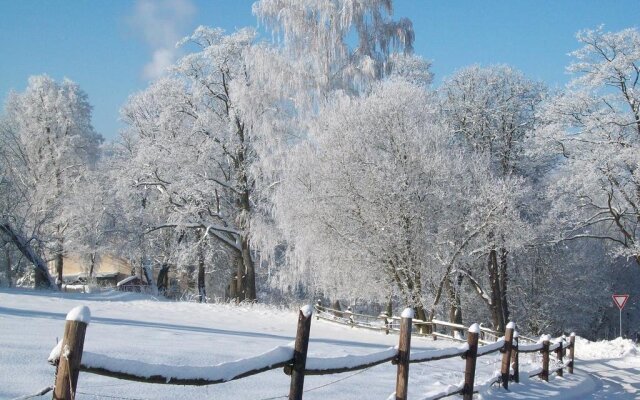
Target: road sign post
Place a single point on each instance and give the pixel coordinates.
(620, 300)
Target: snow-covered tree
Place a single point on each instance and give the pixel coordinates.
(491, 112)
(190, 146)
(337, 44)
(377, 203)
(49, 144)
(230, 110)
(594, 127)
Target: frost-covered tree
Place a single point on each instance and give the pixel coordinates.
(95, 223)
(230, 110)
(491, 112)
(594, 127)
(377, 203)
(49, 144)
(337, 44)
(192, 148)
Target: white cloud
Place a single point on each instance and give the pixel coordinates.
(161, 23)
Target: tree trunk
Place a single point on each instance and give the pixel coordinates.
(92, 264)
(202, 293)
(455, 308)
(59, 263)
(496, 297)
(7, 257)
(146, 268)
(163, 279)
(504, 281)
(239, 284)
(249, 268)
(42, 277)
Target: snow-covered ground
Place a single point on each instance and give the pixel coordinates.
(130, 326)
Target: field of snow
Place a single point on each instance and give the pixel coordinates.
(136, 327)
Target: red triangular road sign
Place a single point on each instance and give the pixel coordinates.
(620, 300)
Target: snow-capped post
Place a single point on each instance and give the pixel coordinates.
(349, 316)
(385, 321)
(506, 355)
(572, 346)
(559, 356)
(404, 352)
(470, 366)
(514, 358)
(71, 353)
(318, 305)
(300, 353)
(544, 375)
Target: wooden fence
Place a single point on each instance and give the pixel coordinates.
(391, 324)
(69, 358)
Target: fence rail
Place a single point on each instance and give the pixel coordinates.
(69, 358)
(391, 324)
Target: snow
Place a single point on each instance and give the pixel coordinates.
(54, 355)
(475, 328)
(126, 280)
(530, 347)
(441, 353)
(80, 314)
(616, 348)
(349, 361)
(408, 313)
(307, 310)
(138, 334)
(220, 372)
(511, 325)
(490, 348)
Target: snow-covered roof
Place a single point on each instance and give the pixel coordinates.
(127, 280)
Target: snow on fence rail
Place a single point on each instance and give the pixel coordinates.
(391, 324)
(69, 359)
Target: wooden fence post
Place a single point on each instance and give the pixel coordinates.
(318, 305)
(506, 355)
(71, 353)
(385, 320)
(470, 367)
(544, 375)
(559, 357)
(300, 353)
(404, 352)
(349, 316)
(514, 358)
(572, 343)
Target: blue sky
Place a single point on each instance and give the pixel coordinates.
(113, 48)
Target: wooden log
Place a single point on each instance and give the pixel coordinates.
(572, 344)
(71, 348)
(515, 362)
(559, 351)
(300, 353)
(404, 350)
(506, 355)
(544, 375)
(470, 367)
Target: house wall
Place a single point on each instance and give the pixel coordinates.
(75, 265)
